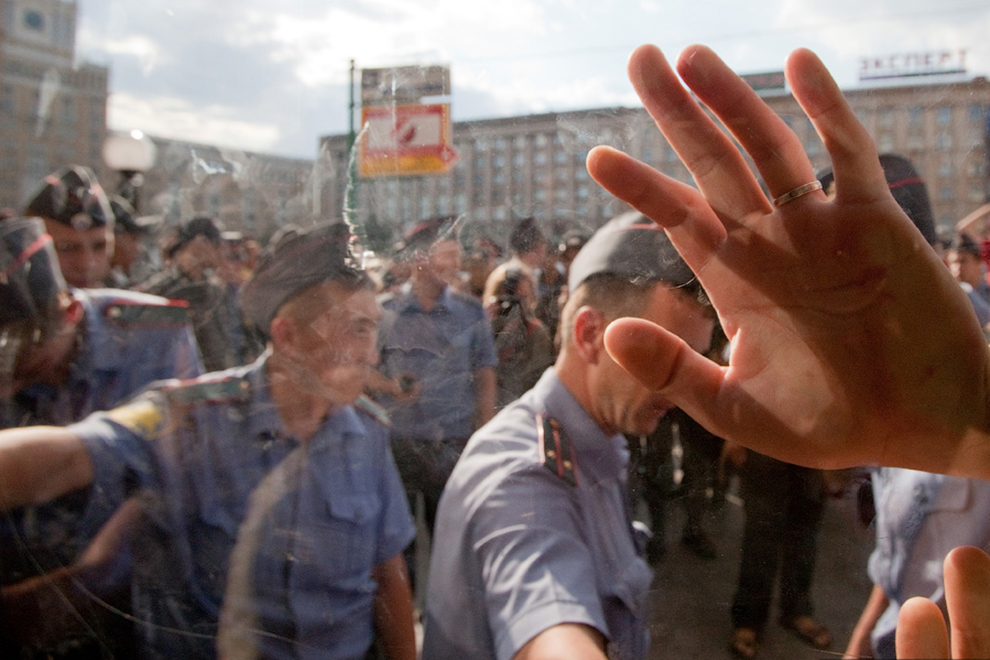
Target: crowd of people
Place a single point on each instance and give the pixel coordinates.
(212, 451)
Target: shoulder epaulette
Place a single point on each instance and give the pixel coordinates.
(132, 313)
(556, 451)
(196, 391)
(369, 407)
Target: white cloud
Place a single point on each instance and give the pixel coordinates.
(147, 52)
(178, 119)
(386, 32)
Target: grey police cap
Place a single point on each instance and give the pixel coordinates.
(294, 260)
(630, 246)
(30, 279)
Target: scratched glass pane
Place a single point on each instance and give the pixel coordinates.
(260, 115)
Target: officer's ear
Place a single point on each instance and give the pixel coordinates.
(282, 332)
(589, 333)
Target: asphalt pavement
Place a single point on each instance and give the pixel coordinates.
(692, 596)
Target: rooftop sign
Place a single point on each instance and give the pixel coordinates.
(908, 65)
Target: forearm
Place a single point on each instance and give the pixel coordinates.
(566, 641)
(394, 610)
(859, 642)
(40, 463)
(484, 395)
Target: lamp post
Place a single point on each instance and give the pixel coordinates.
(130, 154)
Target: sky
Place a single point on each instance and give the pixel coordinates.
(272, 77)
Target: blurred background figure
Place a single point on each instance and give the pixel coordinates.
(233, 270)
(78, 217)
(966, 265)
(194, 256)
(135, 255)
(529, 251)
(523, 344)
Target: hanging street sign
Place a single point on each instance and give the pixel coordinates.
(405, 140)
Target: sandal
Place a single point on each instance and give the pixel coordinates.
(744, 643)
(809, 630)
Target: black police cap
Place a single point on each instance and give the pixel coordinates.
(908, 189)
(30, 279)
(73, 197)
(633, 247)
(202, 225)
(294, 260)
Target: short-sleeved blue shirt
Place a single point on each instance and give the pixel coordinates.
(920, 518)
(442, 348)
(217, 474)
(129, 341)
(522, 550)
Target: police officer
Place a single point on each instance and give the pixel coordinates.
(78, 217)
(194, 254)
(65, 353)
(536, 554)
(272, 519)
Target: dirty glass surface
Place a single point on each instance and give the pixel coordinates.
(385, 114)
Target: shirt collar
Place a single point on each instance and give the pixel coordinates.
(600, 456)
(410, 301)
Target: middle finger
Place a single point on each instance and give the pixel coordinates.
(716, 164)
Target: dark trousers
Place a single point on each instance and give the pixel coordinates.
(425, 466)
(784, 504)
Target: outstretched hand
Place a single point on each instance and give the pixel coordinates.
(921, 631)
(852, 344)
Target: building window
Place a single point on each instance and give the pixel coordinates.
(946, 193)
(885, 118)
(542, 140)
(885, 143)
(976, 168)
(560, 157)
(916, 115)
(976, 194)
(540, 158)
(944, 115)
(976, 113)
(943, 141)
(945, 169)
(34, 20)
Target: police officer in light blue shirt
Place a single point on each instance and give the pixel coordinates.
(269, 519)
(920, 518)
(534, 550)
(437, 371)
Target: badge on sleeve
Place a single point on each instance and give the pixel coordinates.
(556, 451)
(142, 417)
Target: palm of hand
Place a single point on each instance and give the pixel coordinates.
(851, 342)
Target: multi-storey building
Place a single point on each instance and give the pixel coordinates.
(535, 165)
(52, 110)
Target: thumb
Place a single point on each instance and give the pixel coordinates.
(663, 362)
